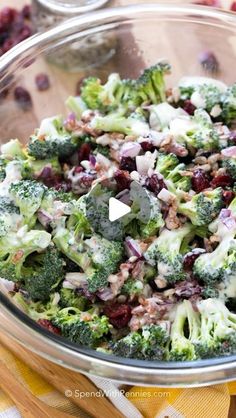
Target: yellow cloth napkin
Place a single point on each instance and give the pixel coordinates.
(151, 402)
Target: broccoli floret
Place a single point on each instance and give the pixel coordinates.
(76, 105)
(132, 287)
(149, 343)
(98, 96)
(78, 221)
(229, 105)
(10, 218)
(89, 331)
(13, 149)
(165, 252)
(55, 207)
(52, 140)
(169, 167)
(218, 329)
(15, 247)
(102, 149)
(36, 310)
(145, 218)
(209, 291)
(184, 331)
(35, 169)
(96, 204)
(3, 164)
(230, 165)
(126, 94)
(70, 299)
(210, 88)
(97, 256)
(213, 267)
(202, 135)
(106, 257)
(211, 95)
(151, 84)
(203, 207)
(204, 96)
(27, 195)
(155, 221)
(42, 273)
(166, 163)
(116, 122)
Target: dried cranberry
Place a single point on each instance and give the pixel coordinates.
(64, 186)
(147, 146)
(45, 323)
(155, 184)
(122, 179)
(7, 16)
(189, 107)
(200, 180)
(190, 258)
(24, 33)
(119, 314)
(209, 61)
(42, 82)
(26, 11)
(3, 93)
(233, 6)
(213, 3)
(127, 164)
(23, 98)
(7, 45)
(78, 169)
(228, 196)
(3, 38)
(84, 152)
(223, 180)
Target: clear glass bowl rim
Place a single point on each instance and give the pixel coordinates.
(24, 330)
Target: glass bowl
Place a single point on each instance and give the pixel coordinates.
(130, 39)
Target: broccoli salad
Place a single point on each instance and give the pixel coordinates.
(160, 282)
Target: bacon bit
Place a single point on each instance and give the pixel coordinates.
(172, 221)
(170, 145)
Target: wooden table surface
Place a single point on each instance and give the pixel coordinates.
(5, 119)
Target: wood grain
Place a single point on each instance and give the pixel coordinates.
(28, 405)
(63, 379)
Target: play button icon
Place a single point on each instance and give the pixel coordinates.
(117, 209)
(113, 213)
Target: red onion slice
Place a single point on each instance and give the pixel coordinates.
(105, 294)
(130, 149)
(229, 152)
(132, 248)
(44, 217)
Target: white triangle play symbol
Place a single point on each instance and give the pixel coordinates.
(117, 209)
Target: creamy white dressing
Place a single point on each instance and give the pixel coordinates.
(13, 173)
